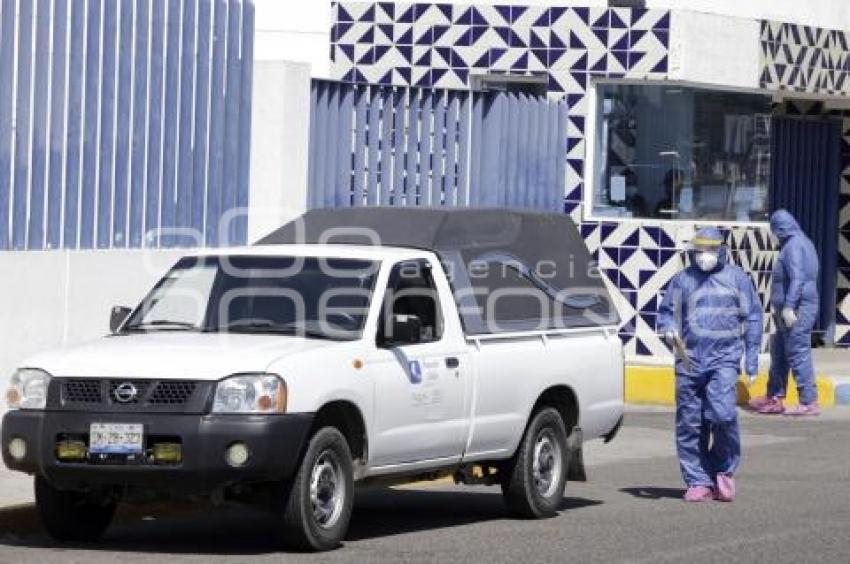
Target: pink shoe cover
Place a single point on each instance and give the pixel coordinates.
(759, 402)
(773, 407)
(699, 493)
(725, 487)
(803, 410)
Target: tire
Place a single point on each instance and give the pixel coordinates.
(72, 516)
(318, 524)
(535, 491)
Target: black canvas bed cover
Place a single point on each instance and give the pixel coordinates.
(535, 264)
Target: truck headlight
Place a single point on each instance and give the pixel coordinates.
(250, 393)
(28, 389)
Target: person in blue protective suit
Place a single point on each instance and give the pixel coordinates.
(712, 318)
(794, 298)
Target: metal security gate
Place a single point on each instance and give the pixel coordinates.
(124, 123)
(399, 146)
(805, 181)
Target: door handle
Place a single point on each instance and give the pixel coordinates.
(452, 362)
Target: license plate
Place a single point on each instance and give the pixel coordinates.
(116, 438)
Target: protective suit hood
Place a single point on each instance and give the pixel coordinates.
(784, 225)
(710, 234)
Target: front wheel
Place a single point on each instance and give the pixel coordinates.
(321, 496)
(534, 483)
(72, 516)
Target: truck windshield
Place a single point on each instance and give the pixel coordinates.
(314, 297)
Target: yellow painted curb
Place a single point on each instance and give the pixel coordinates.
(655, 385)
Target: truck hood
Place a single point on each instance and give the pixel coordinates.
(172, 355)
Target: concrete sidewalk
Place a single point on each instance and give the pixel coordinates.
(15, 488)
(654, 384)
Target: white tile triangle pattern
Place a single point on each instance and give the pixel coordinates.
(804, 58)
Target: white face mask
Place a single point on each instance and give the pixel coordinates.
(706, 261)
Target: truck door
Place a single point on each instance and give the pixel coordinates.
(421, 381)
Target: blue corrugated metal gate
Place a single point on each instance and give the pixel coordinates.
(398, 146)
(804, 181)
(124, 123)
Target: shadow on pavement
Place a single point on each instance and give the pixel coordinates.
(647, 492)
(238, 530)
(381, 513)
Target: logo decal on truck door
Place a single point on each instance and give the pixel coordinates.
(414, 372)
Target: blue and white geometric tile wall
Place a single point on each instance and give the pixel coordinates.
(842, 330)
(804, 58)
(441, 45)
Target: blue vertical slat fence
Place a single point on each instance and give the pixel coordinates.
(399, 146)
(119, 118)
(360, 147)
(374, 148)
(76, 55)
(91, 106)
(231, 125)
(38, 160)
(201, 118)
(168, 209)
(139, 136)
(804, 180)
(22, 126)
(57, 127)
(153, 188)
(215, 150)
(184, 158)
(122, 125)
(7, 77)
(106, 153)
(244, 153)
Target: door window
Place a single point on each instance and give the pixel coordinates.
(411, 292)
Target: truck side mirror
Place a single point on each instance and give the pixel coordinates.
(117, 317)
(405, 330)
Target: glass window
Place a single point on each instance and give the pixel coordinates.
(411, 291)
(309, 296)
(674, 152)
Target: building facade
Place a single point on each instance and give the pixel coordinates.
(675, 119)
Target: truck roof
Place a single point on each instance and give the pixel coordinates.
(321, 250)
(528, 250)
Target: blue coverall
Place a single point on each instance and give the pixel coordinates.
(795, 286)
(719, 318)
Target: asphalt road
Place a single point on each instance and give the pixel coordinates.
(793, 506)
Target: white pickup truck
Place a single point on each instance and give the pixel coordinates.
(351, 346)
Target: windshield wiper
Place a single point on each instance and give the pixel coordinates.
(260, 326)
(162, 325)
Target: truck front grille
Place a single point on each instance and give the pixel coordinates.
(115, 395)
(172, 393)
(82, 391)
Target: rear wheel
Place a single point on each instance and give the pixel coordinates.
(318, 504)
(534, 482)
(70, 515)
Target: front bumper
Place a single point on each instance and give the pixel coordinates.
(275, 443)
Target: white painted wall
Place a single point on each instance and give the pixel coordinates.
(714, 49)
(50, 299)
(294, 30)
(280, 136)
